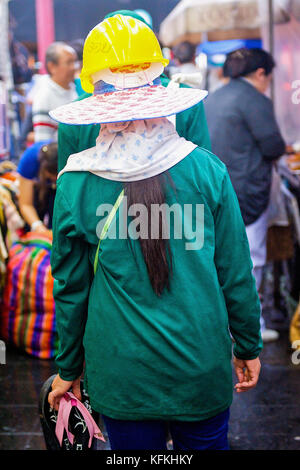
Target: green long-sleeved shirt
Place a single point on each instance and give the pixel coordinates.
(190, 124)
(148, 357)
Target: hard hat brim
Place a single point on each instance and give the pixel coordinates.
(133, 104)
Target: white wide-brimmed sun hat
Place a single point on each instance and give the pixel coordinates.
(122, 63)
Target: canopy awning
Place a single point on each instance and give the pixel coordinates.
(216, 19)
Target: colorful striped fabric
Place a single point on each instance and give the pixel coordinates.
(27, 317)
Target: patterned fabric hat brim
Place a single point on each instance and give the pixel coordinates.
(146, 102)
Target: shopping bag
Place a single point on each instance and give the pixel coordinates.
(27, 318)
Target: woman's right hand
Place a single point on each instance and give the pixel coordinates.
(60, 387)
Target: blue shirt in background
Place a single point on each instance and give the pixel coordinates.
(29, 164)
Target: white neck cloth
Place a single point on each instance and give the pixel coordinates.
(132, 150)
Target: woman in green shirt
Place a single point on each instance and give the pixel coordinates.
(146, 298)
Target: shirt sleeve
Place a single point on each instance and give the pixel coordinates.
(192, 125)
(68, 139)
(234, 268)
(28, 166)
(262, 123)
(67, 144)
(72, 274)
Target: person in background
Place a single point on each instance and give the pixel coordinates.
(55, 90)
(37, 179)
(19, 57)
(190, 124)
(246, 137)
(26, 131)
(186, 70)
(215, 77)
(77, 45)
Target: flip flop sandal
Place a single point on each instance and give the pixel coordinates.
(73, 426)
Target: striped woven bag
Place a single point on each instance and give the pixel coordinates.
(27, 318)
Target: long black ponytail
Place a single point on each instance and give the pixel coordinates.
(156, 252)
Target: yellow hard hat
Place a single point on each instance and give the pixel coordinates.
(117, 43)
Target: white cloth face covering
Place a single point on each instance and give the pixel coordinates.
(132, 150)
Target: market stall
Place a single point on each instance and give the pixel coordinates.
(283, 40)
(6, 81)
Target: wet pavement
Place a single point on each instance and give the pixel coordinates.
(266, 418)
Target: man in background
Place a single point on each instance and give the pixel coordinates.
(186, 71)
(55, 90)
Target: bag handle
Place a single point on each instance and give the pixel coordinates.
(66, 403)
(107, 225)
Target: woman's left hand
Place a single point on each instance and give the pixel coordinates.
(60, 387)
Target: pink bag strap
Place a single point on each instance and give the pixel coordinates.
(65, 406)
